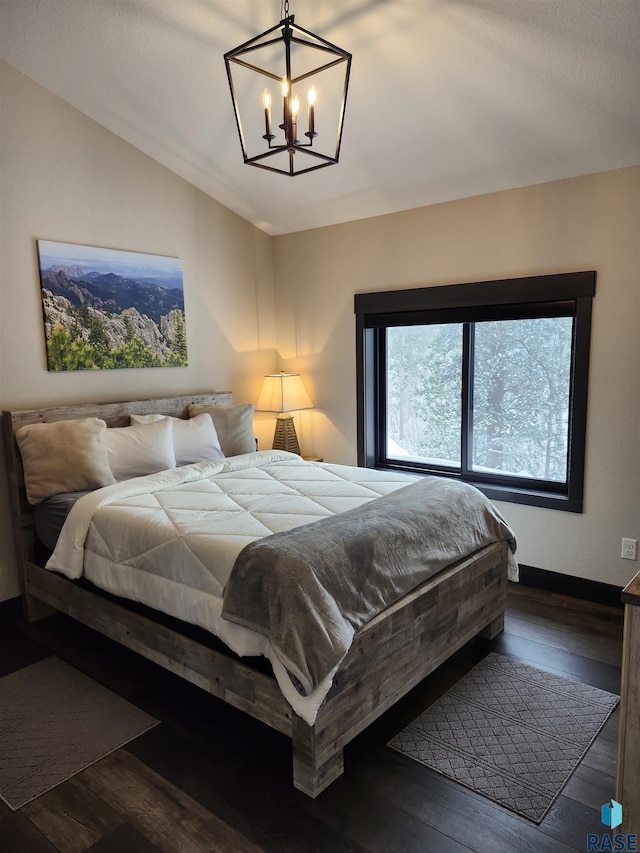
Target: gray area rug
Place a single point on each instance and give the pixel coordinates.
(509, 731)
(54, 722)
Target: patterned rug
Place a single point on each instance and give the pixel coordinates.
(509, 731)
(54, 722)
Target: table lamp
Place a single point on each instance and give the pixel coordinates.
(284, 393)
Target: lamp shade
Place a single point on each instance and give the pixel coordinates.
(283, 392)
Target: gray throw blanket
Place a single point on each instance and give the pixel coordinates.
(310, 588)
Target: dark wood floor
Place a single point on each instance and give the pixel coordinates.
(210, 778)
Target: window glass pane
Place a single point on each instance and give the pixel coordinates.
(424, 376)
(521, 388)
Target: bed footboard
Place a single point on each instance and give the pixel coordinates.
(391, 654)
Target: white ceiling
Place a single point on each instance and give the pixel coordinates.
(448, 98)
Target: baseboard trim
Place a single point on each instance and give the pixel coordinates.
(587, 590)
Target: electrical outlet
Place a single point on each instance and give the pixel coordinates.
(629, 549)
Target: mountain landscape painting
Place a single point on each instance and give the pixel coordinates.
(107, 308)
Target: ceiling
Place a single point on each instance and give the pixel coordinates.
(448, 98)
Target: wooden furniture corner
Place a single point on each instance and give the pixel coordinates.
(628, 779)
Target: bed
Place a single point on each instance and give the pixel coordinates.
(387, 656)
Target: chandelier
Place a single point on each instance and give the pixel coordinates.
(269, 76)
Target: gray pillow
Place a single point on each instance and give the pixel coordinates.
(234, 425)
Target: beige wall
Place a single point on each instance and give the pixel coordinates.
(578, 224)
(64, 177)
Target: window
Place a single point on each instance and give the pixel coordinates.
(484, 382)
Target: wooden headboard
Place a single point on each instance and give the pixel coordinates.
(115, 415)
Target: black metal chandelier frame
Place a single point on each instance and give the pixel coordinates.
(290, 34)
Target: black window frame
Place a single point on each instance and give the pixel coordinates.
(561, 294)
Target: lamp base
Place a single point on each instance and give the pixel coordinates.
(285, 438)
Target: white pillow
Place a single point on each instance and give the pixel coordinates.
(194, 440)
(234, 425)
(140, 449)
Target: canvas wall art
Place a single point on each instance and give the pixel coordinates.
(107, 308)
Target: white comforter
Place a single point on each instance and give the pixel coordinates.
(170, 540)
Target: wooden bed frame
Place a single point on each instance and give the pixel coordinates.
(390, 654)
